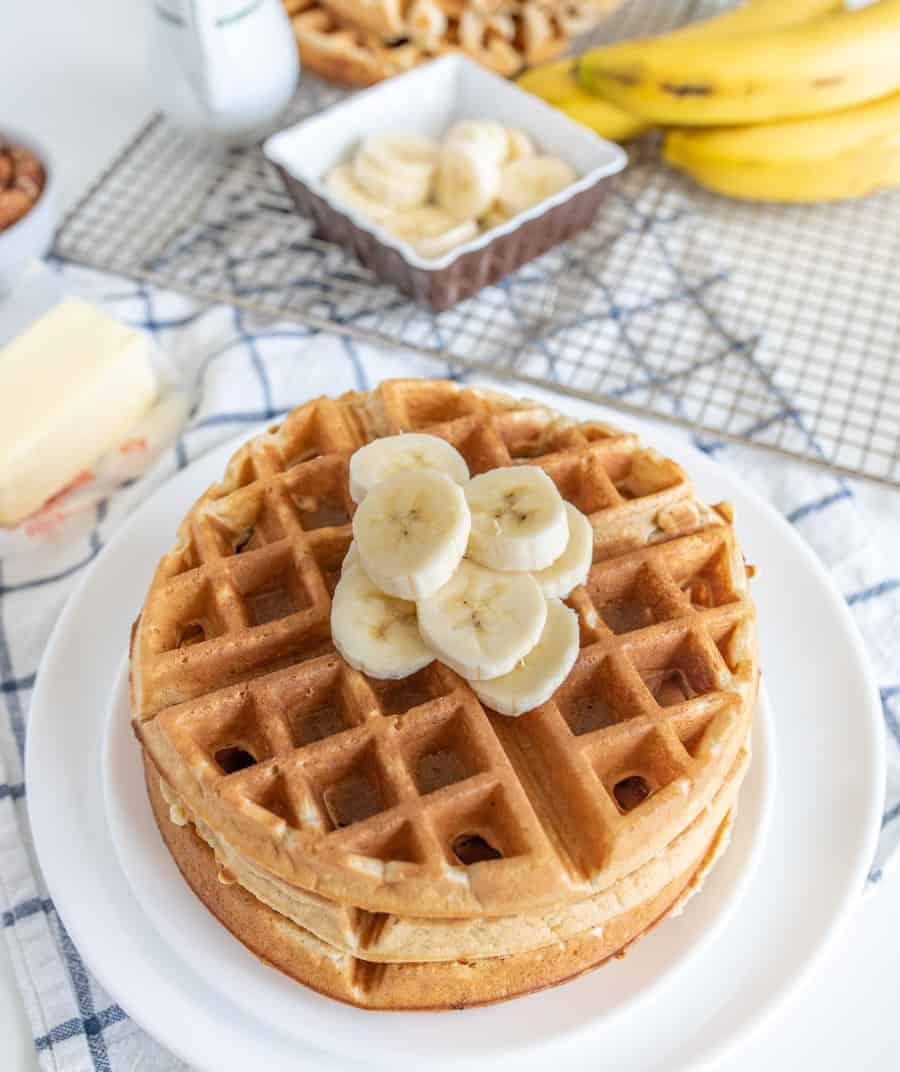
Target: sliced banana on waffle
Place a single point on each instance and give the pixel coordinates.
(573, 565)
(430, 230)
(407, 593)
(482, 623)
(467, 181)
(540, 673)
(483, 137)
(376, 633)
(518, 519)
(411, 532)
(529, 180)
(404, 453)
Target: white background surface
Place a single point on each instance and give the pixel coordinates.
(72, 74)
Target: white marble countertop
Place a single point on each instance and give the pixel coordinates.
(76, 75)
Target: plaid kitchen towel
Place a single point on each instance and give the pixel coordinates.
(233, 374)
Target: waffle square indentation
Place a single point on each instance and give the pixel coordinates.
(597, 695)
(270, 585)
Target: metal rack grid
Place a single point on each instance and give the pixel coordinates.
(776, 325)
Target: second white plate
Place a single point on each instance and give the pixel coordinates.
(826, 813)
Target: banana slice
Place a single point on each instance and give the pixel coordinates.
(467, 181)
(411, 155)
(493, 217)
(374, 632)
(431, 231)
(432, 248)
(541, 671)
(351, 558)
(519, 145)
(386, 457)
(518, 519)
(481, 623)
(485, 137)
(573, 565)
(411, 532)
(341, 183)
(528, 181)
(395, 187)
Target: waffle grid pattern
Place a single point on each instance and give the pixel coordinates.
(414, 780)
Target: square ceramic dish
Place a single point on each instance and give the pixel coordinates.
(428, 100)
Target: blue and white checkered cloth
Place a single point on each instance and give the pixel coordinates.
(238, 373)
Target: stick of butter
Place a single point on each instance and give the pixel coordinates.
(71, 385)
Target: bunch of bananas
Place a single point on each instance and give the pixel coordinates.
(774, 100)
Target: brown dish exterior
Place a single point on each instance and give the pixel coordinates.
(442, 288)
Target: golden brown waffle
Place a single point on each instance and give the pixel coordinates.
(387, 938)
(457, 984)
(426, 21)
(339, 52)
(362, 43)
(409, 797)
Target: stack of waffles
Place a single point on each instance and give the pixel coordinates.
(397, 844)
(364, 41)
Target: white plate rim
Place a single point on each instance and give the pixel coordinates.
(41, 817)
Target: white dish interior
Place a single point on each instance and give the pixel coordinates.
(444, 90)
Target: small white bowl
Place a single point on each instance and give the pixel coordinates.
(32, 235)
(427, 100)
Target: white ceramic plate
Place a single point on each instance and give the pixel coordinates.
(702, 980)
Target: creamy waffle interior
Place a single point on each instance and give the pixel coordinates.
(403, 822)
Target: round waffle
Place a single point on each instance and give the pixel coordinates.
(452, 985)
(410, 797)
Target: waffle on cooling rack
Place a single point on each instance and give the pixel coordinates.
(404, 822)
(361, 42)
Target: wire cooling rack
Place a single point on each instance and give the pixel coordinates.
(777, 325)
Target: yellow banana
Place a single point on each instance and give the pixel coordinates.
(752, 16)
(835, 61)
(831, 157)
(555, 82)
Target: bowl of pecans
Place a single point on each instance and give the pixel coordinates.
(28, 211)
